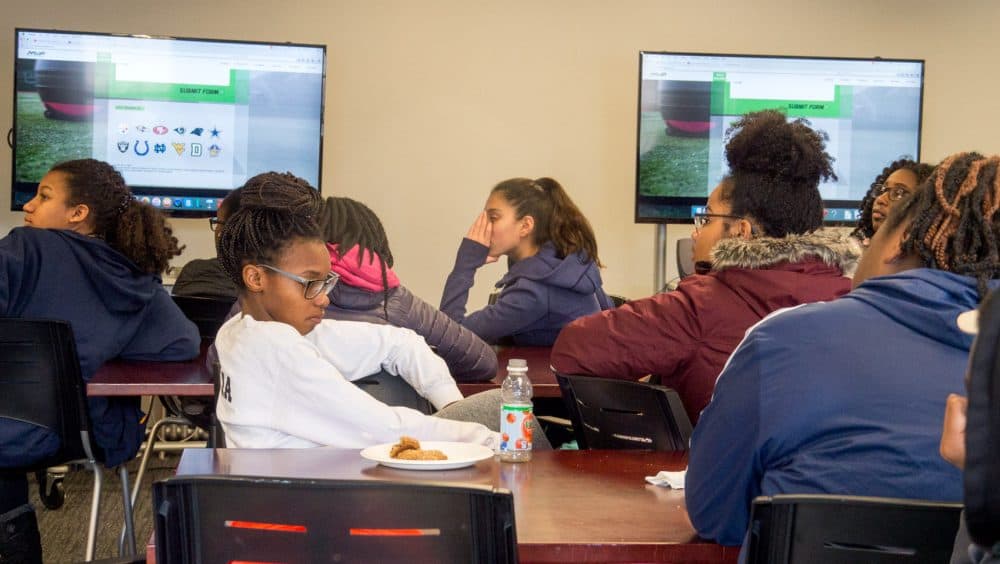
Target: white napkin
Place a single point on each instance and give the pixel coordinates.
(666, 479)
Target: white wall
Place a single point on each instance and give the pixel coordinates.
(429, 103)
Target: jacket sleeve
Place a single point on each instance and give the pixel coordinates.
(310, 398)
(164, 334)
(360, 349)
(517, 307)
(724, 464)
(649, 336)
(468, 357)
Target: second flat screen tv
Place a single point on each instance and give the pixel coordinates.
(184, 120)
(870, 108)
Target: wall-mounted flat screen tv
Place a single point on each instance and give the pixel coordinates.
(870, 108)
(184, 120)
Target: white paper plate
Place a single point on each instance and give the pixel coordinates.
(459, 455)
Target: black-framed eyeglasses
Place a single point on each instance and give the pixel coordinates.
(702, 220)
(214, 223)
(311, 288)
(896, 192)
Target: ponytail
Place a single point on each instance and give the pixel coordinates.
(142, 234)
(557, 219)
(136, 230)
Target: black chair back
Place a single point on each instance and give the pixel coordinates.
(685, 257)
(982, 457)
(393, 390)
(618, 414)
(232, 518)
(207, 313)
(830, 529)
(40, 383)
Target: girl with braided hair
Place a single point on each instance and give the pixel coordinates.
(896, 181)
(370, 291)
(92, 255)
(553, 274)
(847, 397)
(287, 371)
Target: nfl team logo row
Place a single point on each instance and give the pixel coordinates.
(124, 128)
(142, 147)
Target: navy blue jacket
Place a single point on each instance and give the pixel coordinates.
(842, 397)
(115, 311)
(538, 295)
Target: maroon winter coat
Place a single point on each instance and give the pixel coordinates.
(685, 336)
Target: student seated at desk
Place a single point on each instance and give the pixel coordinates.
(759, 247)
(90, 254)
(206, 277)
(846, 397)
(897, 181)
(370, 291)
(286, 370)
(553, 275)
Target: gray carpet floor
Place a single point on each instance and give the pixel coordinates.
(64, 530)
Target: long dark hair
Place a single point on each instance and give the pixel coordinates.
(557, 219)
(865, 229)
(275, 210)
(346, 223)
(954, 225)
(136, 230)
(775, 169)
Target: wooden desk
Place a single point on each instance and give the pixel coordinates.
(543, 380)
(569, 506)
(141, 378)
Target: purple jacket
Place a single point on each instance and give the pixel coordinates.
(538, 295)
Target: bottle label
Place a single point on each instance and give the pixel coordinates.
(515, 432)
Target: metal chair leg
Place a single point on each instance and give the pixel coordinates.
(95, 508)
(129, 548)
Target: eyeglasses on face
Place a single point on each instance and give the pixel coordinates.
(896, 191)
(214, 223)
(701, 220)
(311, 288)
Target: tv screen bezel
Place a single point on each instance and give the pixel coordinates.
(693, 201)
(193, 192)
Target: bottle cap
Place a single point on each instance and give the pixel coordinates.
(517, 363)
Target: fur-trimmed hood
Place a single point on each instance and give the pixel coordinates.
(832, 247)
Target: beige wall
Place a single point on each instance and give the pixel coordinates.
(430, 102)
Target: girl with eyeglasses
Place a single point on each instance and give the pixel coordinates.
(553, 274)
(758, 248)
(895, 182)
(287, 371)
(90, 254)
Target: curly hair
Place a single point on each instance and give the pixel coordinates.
(136, 230)
(557, 218)
(775, 169)
(275, 210)
(952, 219)
(865, 229)
(346, 223)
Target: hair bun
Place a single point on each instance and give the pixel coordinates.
(765, 143)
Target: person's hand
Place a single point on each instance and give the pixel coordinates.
(953, 435)
(482, 233)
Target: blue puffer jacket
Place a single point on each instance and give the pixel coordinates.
(538, 295)
(842, 397)
(115, 311)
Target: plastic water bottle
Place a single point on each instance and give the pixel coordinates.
(515, 413)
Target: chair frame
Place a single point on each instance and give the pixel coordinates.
(674, 435)
(70, 417)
